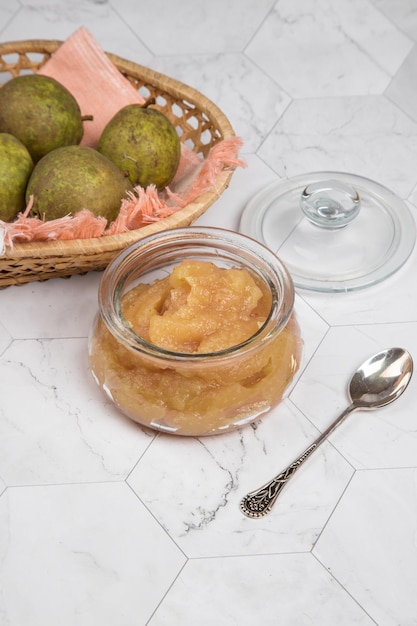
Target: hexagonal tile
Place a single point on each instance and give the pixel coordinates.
(250, 99)
(5, 339)
(386, 437)
(245, 183)
(232, 591)
(328, 49)
(7, 11)
(56, 426)
(367, 135)
(403, 14)
(194, 26)
(369, 544)
(55, 308)
(401, 89)
(194, 487)
(58, 20)
(412, 200)
(81, 554)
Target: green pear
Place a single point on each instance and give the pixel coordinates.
(143, 142)
(72, 178)
(40, 112)
(16, 166)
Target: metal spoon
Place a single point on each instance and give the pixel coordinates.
(377, 382)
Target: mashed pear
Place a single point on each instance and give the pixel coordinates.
(199, 309)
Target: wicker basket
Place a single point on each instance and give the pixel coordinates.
(201, 123)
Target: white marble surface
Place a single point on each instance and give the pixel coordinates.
(103, 522)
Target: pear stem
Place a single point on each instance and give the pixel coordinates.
(87, 118)
(148, 102)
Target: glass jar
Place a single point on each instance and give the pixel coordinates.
(194, 393)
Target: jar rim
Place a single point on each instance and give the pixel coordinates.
(189, 240)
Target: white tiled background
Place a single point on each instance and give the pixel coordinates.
(105, 523)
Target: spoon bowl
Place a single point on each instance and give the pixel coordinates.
(377, 382)
(381, 379)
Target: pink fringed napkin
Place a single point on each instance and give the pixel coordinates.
(101, 90)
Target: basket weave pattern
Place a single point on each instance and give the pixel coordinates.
(200, 125)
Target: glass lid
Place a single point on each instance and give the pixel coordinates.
(334, 231)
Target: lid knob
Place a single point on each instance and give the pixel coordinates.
(330, 203)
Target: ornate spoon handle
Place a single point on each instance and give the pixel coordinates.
(259, 503)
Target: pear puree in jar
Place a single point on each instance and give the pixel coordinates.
(198, 309)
